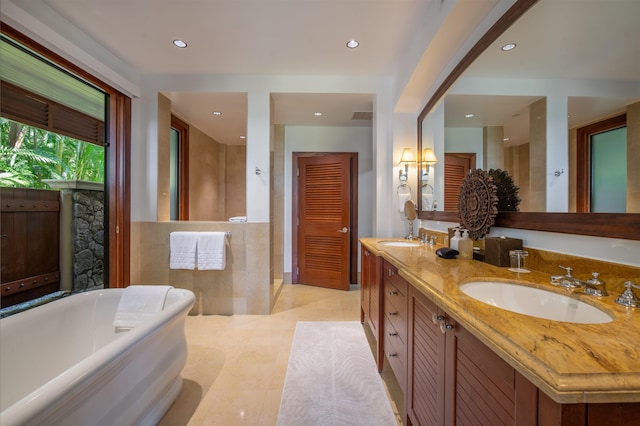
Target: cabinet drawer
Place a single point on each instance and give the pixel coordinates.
(396, 318)
(395, 350)
(395, 299)
(390, 273)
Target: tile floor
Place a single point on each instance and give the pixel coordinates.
(237, 364)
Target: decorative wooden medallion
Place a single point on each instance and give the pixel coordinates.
(477, 203)
(508, 198)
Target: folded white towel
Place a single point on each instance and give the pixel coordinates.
(182, 247)
(211, 251)
(403, 198)
(238, 219)
(138, 303)
(427, 202)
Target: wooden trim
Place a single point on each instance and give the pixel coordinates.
(183, 129)
(501, 25)
(118, 169)
(118, 272)
(29, 206)
(34, 110)
(611, 225)
(354, 218)
(583, 160)
(29, 283)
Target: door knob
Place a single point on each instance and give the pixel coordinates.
(344, 230)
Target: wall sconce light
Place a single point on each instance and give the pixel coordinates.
(428, 159)
(406, 158)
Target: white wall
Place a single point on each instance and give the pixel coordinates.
(331, 139)
(258, 88)
(458, 139)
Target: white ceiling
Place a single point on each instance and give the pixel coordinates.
(307, 37)
(556, 39)
(279, 37)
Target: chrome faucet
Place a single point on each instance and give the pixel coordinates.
(628, 298)
(595, 286)
(567, 280)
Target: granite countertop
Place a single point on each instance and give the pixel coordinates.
(571, 363)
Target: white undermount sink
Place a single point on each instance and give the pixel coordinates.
(399, 243)
(535, 302)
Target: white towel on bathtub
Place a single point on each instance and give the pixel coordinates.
(139, 303)
(211, 251)
(182, 249)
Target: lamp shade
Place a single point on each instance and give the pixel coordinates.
(428, 156)
(407, 156)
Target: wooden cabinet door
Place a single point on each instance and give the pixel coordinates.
(485, 392)
(365, 288)
(371, 299)
(425, 399)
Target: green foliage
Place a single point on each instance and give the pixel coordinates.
(29, 155)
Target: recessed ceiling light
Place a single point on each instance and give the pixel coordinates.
(179, 43)
(509, 46)
(352, 44)
(243, 137)
(216, 113)
(505, 139)
(468, 115)
(317, 114)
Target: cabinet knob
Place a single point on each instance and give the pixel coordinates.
(391, 272)
(394, 334)
(435, 318)
(444, 327)
(393, 293)
(393, 314)
(392, 355)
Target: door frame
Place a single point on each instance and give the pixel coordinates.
(353, 217)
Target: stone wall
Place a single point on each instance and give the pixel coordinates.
(88, 240)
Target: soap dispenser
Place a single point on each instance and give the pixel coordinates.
(465, 245)
(453, 243)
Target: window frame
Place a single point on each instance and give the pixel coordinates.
(583, 158)
(117, 163)
(183, 166)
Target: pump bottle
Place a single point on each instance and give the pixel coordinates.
(453, 243)
(465, 246)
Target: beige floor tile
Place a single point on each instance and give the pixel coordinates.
(237, 364)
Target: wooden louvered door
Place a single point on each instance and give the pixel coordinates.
(456, 168)
(324, 221)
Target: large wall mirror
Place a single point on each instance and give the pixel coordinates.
(560, 111)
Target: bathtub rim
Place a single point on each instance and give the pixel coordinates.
(110, 356)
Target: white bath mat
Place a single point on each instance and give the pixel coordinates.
(332, 379)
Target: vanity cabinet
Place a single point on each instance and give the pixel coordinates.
(453, 378)
(371, 298)
(449, 376)
(395, 322)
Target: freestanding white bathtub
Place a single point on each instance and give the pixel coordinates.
(63, 363)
